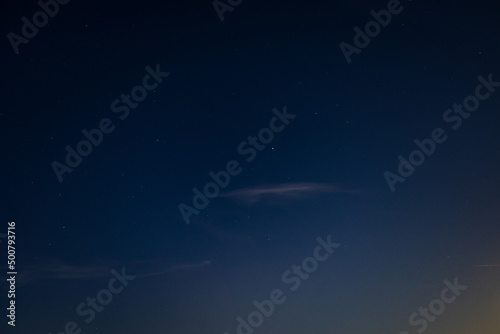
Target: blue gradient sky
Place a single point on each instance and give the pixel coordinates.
(322, 175)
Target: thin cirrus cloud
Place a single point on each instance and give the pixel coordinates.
(287, 190)
(61, 271)
(180, 267)
(57, 270)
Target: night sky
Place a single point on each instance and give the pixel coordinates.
(240, 167)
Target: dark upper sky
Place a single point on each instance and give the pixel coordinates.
(309, 145)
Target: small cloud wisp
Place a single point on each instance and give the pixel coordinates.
(290, 190)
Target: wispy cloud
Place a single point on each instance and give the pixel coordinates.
(57, 270)
(62, 271)
(180, 267)
(288, 190)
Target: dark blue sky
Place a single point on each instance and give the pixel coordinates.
(321, 175)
